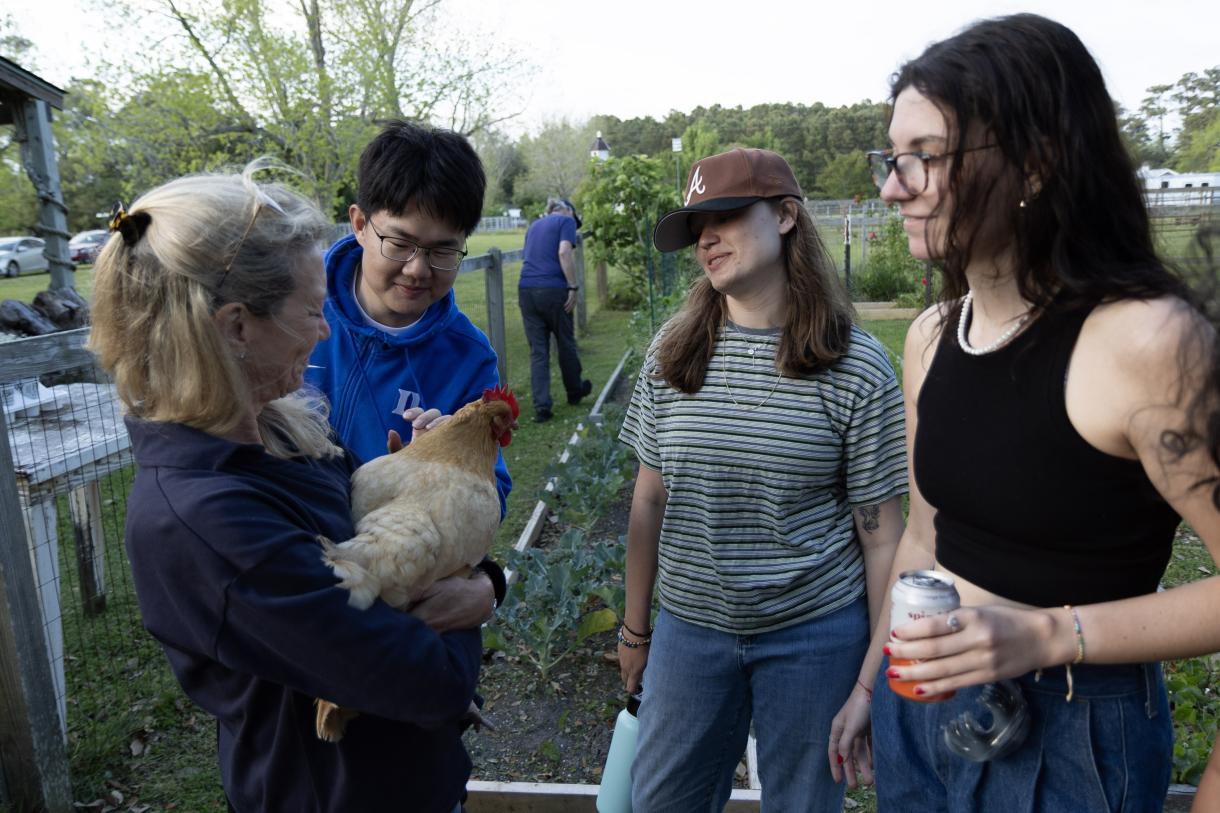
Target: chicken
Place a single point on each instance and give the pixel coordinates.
(424, 512)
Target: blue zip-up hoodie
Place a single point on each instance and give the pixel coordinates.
(371, 377)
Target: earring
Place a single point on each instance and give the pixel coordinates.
(241, 356)
(1021, 205)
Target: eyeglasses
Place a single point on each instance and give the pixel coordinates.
(402, 250)
(912, 167)
(261, 200)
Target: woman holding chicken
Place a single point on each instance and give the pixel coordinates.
(206, 305)
(769, 432)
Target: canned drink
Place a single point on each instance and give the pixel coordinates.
(918, 594)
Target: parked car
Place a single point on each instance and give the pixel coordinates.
(21, 255)
(84, 247)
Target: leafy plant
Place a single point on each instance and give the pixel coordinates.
(553, 606)
(621, 199)
(1192, 701)
(598, 466)
(891, 270)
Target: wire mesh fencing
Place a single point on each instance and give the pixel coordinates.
(72, 463)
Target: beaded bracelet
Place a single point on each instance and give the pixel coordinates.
(630, 644)
(1079, 633)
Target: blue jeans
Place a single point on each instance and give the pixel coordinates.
(702, 687)
(1109, 750)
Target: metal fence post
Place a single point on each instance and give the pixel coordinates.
(847, 247)
(493, 279)
(33, 757)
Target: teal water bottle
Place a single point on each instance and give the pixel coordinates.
(614, 794)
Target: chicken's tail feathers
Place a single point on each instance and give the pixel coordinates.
(360, 583)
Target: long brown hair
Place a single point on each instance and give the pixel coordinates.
(816, 331)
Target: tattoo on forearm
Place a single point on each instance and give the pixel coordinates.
(869, 517)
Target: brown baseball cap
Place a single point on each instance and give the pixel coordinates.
(721, 183)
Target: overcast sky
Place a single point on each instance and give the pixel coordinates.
(645, 57)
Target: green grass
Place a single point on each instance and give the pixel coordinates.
(26, 286)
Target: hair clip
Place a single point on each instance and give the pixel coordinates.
(130, 226)
(270, 202)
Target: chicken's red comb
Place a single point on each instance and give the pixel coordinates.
(503, 394)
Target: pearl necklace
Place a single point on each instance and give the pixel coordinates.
(1000, 341)
(724, 368)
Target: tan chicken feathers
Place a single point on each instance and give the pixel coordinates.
(424, 512)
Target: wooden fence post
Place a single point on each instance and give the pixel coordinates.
(85, 503)
(603, 284)
(493, 279)
(582, 298)
(33, 756)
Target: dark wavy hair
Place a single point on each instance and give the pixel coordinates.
(817, 329)
(1065, 190)
(1033, 90)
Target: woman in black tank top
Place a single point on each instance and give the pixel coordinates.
(1062, 420)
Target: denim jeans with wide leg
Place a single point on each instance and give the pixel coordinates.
(542, 315)
(1107, 751)
(701, 688)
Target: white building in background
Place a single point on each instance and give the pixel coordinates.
(1159, 178)
(1165, 188)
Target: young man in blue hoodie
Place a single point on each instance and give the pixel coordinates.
(400, 352)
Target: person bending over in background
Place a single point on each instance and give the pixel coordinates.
(546, 295)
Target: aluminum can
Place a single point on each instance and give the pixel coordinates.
(918, 594)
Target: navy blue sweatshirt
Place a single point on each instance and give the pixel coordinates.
(222, 539)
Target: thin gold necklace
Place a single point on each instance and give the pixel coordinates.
(724, 368)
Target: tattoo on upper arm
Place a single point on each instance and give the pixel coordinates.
(869, 517)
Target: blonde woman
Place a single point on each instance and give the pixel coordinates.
(207, 303)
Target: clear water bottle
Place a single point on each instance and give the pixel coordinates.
(614, 794)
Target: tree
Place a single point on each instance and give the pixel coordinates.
(622, 200)
(1198, 98)
(556, 160)
(1154, 108)
(15, 47)
(846, 176)
(307, 87)
(1199, 146)
(503, 164)
(1138, 138)
(18, 202)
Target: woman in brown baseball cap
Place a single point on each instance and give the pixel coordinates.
(770, 438)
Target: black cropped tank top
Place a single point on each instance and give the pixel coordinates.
(1025, 507)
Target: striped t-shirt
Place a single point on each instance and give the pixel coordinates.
(762, 476)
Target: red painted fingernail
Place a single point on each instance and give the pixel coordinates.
(840, 758)
(886, 649)
(892, 635)
(920, 690)
(893, 673)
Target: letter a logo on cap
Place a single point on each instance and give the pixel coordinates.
(696, 185)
